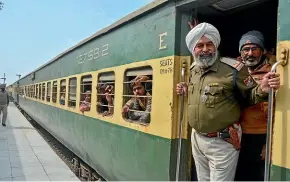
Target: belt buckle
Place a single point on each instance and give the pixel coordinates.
(219, 134)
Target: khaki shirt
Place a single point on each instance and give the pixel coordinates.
(4, 98)
(214, 101)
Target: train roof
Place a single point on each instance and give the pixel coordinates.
(127, 18)
(220, 5)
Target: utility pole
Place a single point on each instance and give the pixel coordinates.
(4, 78)
(18, 76)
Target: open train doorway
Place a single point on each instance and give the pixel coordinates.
(232, 18)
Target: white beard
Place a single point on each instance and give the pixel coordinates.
(205, 62)
(251, 63)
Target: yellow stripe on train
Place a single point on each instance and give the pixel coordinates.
(165, 103)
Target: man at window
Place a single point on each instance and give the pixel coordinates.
(86, 104)
(106, 99)
(62, 97)
(132, 108)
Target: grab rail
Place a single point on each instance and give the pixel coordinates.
(180, 123)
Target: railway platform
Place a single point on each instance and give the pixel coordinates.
(25, 155)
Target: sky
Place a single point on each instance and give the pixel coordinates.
(34, 31)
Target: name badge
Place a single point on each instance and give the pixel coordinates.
(204, 96)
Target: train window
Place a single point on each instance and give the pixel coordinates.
(31, 91)
(28, 91)
(48, 90)
(37, 91)
(21, 91)
(86, 90)
(43, 92)
(62, 92)
(25, 90)
(137, 97)
(54, 91)
(40, 90)
(72, 89)
(105, 93)
(34, 91)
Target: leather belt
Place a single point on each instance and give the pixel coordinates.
(211, 135)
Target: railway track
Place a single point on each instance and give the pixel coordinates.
(76, 165)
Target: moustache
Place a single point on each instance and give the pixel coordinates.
(206, 55)
(250, 58)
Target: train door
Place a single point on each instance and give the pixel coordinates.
(278, 164)
(232, 18)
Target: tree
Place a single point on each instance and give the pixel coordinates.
(1, 5)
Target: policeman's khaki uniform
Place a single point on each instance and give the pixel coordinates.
(4, 102)
(213, 105)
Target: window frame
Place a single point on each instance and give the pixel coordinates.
(129, 74)
(36, 91)
(53, 92)
(61, 85)
(83, 84)
(69, 101)
(48, 91)
(106, 81)
(43, 91)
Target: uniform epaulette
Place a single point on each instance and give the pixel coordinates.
(192, 65)
(233, 63)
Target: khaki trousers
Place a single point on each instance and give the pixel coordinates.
(215, 159)
(3, 111)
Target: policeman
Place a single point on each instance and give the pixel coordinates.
(254, 118)
(215, 91)
(4, 102)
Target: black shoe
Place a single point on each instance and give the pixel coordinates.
(3, 124)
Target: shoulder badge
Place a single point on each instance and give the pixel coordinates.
(249, 81)
(233, 63)
(192, 65)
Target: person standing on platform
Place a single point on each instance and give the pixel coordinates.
(4, 102)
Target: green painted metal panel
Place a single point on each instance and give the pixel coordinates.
(279, 173)
(134, 41)
(116, 152)
(181, 30)
(284, 20)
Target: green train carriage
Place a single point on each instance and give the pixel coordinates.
(149, 41)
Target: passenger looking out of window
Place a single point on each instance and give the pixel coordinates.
(86, 103)
(106, 103)
(140, 102)
(62, 97)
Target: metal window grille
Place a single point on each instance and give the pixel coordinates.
(43, 92)
(48, 90)
(86, 85)
(105, 80)
(72, 88)
(62, 92)
(129, 94)
(54, 91)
